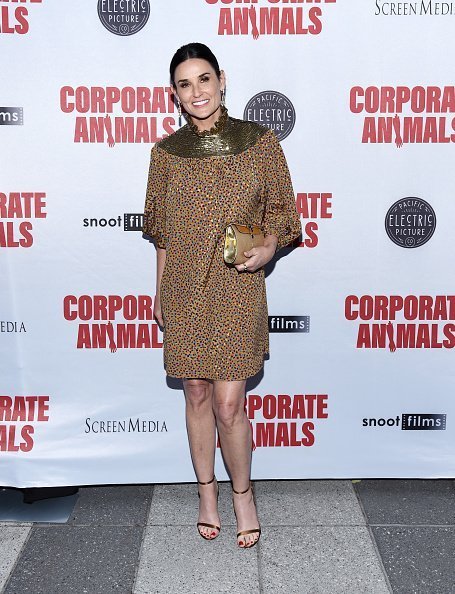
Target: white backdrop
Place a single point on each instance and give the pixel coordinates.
(326, 405)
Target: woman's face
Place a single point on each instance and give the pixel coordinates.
(199, 91)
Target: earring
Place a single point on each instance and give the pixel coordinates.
(223, 93)
(179, 111)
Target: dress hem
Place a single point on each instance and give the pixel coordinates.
(231, 378)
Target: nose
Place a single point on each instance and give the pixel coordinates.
(196, 90)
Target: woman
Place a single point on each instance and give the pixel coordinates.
(214, 171)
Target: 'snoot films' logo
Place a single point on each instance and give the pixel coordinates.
(11, 116)
(133, 221)
(423, 422)
(271, 109)
(289, 324)
(410, 422)
(410, 222)
(125, 17)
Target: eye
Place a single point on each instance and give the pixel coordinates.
(183, 85)
(205, 78)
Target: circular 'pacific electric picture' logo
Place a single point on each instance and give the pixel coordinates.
(410, 222)
(271, 109)
(124, 17)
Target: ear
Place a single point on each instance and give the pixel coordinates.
(175, 96)
(222, 80)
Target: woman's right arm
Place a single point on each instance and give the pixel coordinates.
(160, 262)
(155, 218)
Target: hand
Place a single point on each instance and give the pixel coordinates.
(396, 125)
(257, 257)
(110, 333)
(157, 313)
(108, 127)
(252, 14)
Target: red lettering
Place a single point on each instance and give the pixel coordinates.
(253, 404)
(363, 337)
(23, 205)
(307, 430)
(5, 27)
(423, 337)
(314, 14)
(282, 436)
(7, 235)
(311, 240)
(26, 433)
(265, 434)
(349, 313)
(21, 14)
(449, 333)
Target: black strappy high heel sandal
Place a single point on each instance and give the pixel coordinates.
(204, 524)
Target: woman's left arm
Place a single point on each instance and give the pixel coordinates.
(281, 221)
(259, 256)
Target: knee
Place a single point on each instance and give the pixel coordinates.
(228, 412)
(197, 393)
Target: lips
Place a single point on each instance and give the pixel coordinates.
(200, 103)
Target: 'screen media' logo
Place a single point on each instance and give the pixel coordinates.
(420, 8)
(8, 327)
(136, 425)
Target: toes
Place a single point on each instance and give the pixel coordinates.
(248, 541)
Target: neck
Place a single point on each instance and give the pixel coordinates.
(207, 123)
(210, 126)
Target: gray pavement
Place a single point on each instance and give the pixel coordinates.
(373, 536)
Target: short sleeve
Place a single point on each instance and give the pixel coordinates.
(280, 217)
(154, 209)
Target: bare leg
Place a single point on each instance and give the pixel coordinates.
(200, 424)
(235, 438)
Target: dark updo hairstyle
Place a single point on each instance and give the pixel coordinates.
(193, 50)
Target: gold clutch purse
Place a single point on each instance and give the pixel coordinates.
(239, 239)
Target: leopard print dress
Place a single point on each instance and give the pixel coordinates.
(215, 318)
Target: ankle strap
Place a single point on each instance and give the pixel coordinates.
(209, 483)
(241, 492)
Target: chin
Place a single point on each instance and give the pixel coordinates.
(202, 114)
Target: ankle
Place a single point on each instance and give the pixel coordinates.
(206, 482)
(242, 491)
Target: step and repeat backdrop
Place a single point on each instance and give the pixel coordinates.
(360, 380)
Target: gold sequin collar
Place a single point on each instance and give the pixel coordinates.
(218, 126)
(229, 136)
